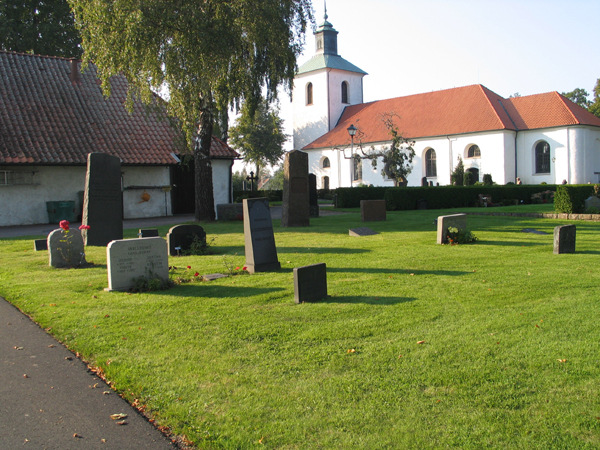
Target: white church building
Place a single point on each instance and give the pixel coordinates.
(537, 138)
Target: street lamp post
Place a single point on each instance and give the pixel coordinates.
(351, 131)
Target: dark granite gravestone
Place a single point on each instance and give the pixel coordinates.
(362, 231)
(310, 283)
(313, 197)
(372, 210)
(65, 248)
(564, 239)
(261, 253)
(230, 211)
(103, 200)
(147, 232)
(444, 222)
(40, 244)
(295, 210)
(181, 237)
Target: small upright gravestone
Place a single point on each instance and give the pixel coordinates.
(310, 283)
(40, 244)
(592, 203)
(261, 253)
(444, 222)
(295, 209)
(103, 200)
(130, 259)
(372, 210)
(313, 196)
(181, 237)
(564, 239)
(65, 248)
(147, 232)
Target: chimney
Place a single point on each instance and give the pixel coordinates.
(75, 75)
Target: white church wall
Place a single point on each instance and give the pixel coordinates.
(221, 180)
(143, 194)
(559, 156)
(310, 121)
(336, 78)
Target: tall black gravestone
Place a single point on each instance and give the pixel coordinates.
(103, 200)
(261, 253)
(313, 196)
(295, 211)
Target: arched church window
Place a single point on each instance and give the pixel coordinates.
(542, 157)
(309, 94)
(357, 168)
(474, 152)
(430, 164)
(326, 164)
(345, 92)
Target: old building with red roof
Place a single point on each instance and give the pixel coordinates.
(537, 138)
(52, 115)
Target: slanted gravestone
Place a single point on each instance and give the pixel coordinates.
(130, 259)
(103, 200)
(261, 253)
(444, 222)
(362, 231)
(40, 244)
(181, 237)
(310, 283)
(564, 239)
(295, 210)
(372, 210)
(65, 248)
(147, 232)
(313, 197)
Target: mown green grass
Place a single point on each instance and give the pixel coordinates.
(510, 331)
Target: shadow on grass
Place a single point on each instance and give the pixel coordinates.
(453, 273)
(368, 300)
(334, 250)
(588, 252)
(511, 243)
(209, 290)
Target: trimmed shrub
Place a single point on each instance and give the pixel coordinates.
(570, 199)
(351, 197)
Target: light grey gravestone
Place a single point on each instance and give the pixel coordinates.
(65, 248)
(103, 200)
(362, 231)
(181, 237)
(313, 196)
(310, 283)
(564, 239)
(296, 208)
(444, 222)
(372, 210)
(130, 259)
(261, 253)
(592, 202)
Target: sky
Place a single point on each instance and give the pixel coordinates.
(509, 46)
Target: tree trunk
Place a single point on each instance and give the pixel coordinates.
(205, 203)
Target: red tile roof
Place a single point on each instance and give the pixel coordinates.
(468, 109)
(47, 118)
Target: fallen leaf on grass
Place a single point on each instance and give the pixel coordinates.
(420, 342)
(562, 360)
(119, 416)
(351, 350)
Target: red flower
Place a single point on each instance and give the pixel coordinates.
(64, 224)
(189, 267)
(244, 268)
(196, 274)
(237, 268)
(84, 227)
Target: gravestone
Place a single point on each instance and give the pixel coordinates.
(230, 211)
(40, 244)
(592, 203)
(130, 259)
(295, 211)
(181, 237)
(310, 283)
(362, 231)
(444, 222)
(372, 210)
(147, 232)
(564, 239)
(103, 200)
(313, 197)
(65, 248)
(261, 253)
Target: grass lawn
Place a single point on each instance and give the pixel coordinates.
(493, 344)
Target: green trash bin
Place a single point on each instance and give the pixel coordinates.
(57, 211)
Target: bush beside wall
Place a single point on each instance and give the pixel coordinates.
(570, 199)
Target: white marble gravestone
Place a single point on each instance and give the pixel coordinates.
(129, 259)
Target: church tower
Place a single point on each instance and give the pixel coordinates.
(323, 87)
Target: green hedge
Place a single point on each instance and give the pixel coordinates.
(351, 197)
(571, 198)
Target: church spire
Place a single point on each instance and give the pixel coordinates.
(326, 36)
